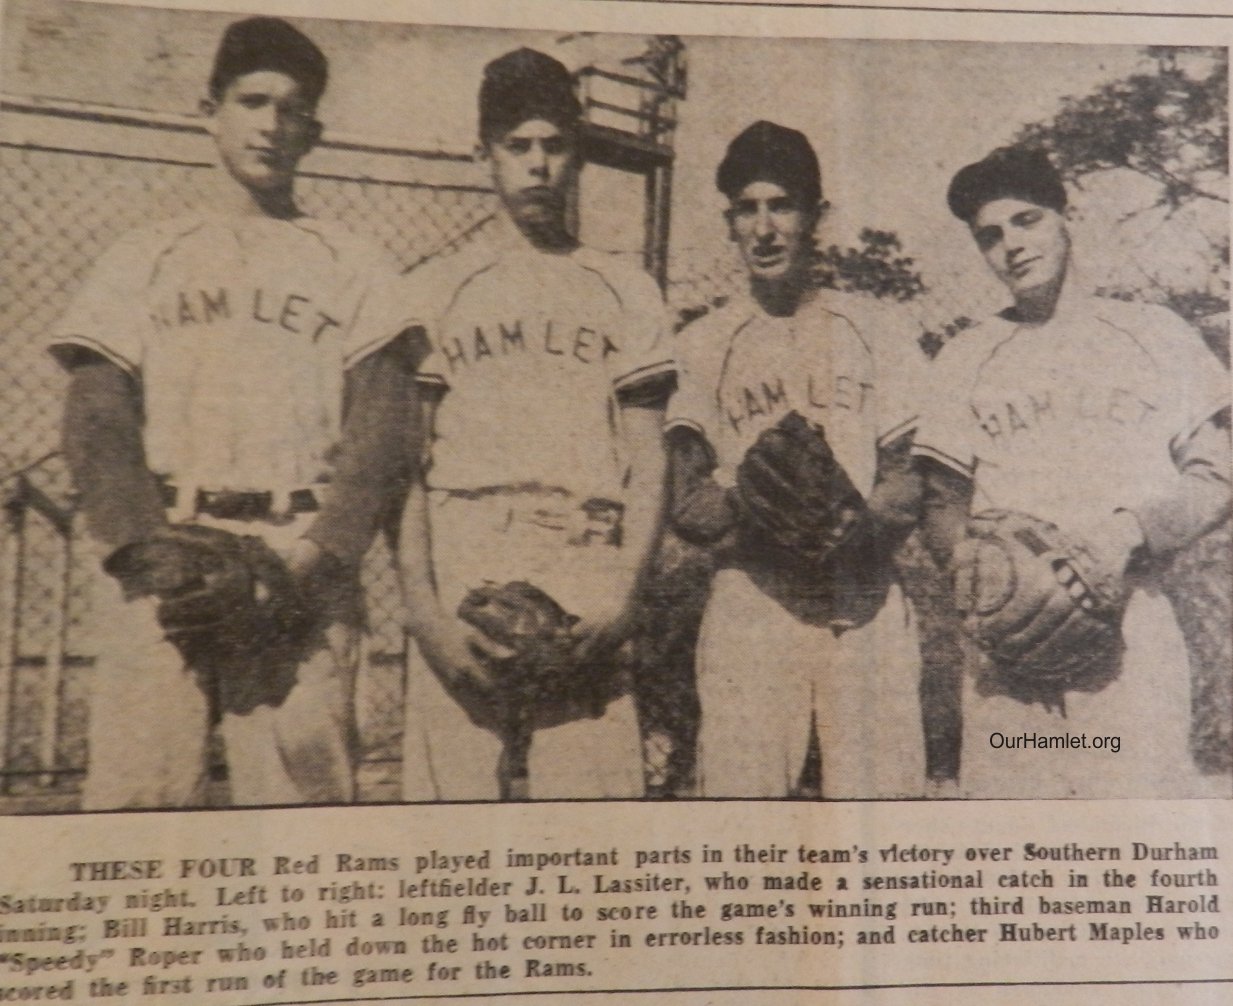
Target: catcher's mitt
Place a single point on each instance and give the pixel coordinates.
(805, 527)
(1040, 605)
(216, 590)
(543, 669)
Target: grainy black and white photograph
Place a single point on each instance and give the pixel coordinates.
(394, 413)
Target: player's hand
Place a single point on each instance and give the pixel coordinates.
(603, 630)
(304, 559)
(1117, 542)
(456, 653)
(316, 571)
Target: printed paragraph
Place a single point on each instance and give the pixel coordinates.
(455, 920)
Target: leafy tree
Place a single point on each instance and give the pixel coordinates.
(931, 342)
(877, 267)
(1170, 126)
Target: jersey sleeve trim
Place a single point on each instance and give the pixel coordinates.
(60, 344)
(643, 373)
(354, 356)
(652, 393)
(681, 423)
(906, 425)
(431, 380)
(925, 451)
(1211, 408)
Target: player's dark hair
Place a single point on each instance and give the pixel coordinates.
(269, 43)
(767, 151)
(526, 84)
(1007, 173)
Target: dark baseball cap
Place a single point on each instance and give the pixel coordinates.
(526, 84)
(269, 43)
(768, 152)
(1007, 173)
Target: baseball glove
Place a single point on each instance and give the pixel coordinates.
(804, 528)
(216, 590)
(543, 669)
(794, 496)
(1040, 605)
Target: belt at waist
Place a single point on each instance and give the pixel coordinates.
(230, 504)
(594, 520)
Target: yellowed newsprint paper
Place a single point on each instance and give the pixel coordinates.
(613, 502)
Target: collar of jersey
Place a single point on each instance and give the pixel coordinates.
(507, 239)
(813, 297)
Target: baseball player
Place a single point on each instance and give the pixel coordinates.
(774, 658)
(236, 367)
(1110, 420)
(546, 464)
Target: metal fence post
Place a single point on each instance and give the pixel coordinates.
(52, 684)
(12, 549)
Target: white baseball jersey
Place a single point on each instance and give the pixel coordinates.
(531, 348)
(1069, 421)
(1075, 418)
(842, 361)
(239, 329)
(849, 364)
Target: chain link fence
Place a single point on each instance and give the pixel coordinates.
(60, 208)
(62, 204)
